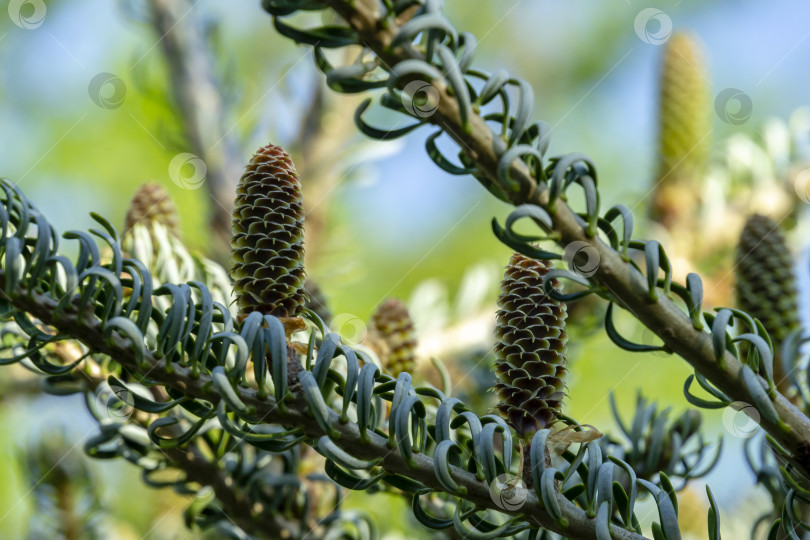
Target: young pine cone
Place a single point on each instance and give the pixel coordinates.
(684, 125)
(531, 348)
(152, 203)
(392, 334)
(766, 287)
(267, 242)
(684, 109)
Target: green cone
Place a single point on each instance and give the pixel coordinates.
(684, 108)
(392, 334)
(152, 203)
(531, 348)
(766, 286)
(684, 127)
(267, 243)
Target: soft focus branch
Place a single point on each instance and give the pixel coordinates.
(197, 94)
(88, 330)
(198, 468)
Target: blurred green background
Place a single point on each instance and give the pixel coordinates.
(395, 224)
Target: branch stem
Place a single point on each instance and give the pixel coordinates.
(625, 283)
(89, 332)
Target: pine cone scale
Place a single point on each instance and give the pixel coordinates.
(151, 204)
(531, 348)
(392, 326)
(766, 285)
(267, 257)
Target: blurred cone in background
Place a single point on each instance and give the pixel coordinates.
(679, 193)
(151, 234)
(766, 286)
(698, 205)
(391, 334)
(152, 203)
(684, 131)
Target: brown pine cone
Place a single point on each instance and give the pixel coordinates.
(152, 203)
(267, 243)
(531, 348)
(392, 334)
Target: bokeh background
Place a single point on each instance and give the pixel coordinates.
(387, 221)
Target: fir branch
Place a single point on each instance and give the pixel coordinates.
(515, 181)
(88, 330)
